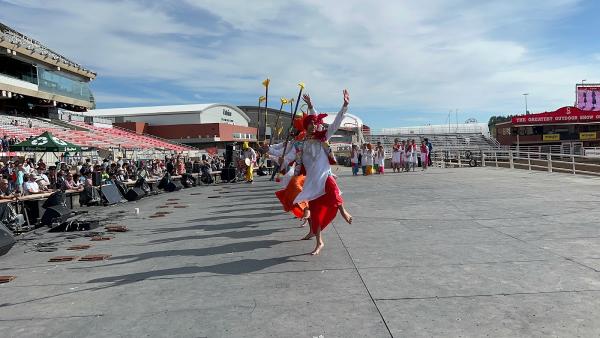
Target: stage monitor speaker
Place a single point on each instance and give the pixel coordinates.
(173, 186)
(57, 198)
(89, 196)
(6, 240)
(164, 181)
(121, 186)
(96, 179)
(188, 181)
(111, 194)
(55, 214)
(143, 184)
(134, 194)
(228, 174)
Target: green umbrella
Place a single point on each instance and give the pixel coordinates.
(46, 142)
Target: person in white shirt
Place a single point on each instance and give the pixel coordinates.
(320, 189)
(31, 187)
(380, 160)
(354, 160)
(27, 167)
(408, 152)
(363, 158)
(396, 156)
(368, 159)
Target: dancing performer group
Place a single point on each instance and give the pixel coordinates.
(310, 191)
(405, 156)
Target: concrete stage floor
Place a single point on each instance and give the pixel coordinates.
(451, 252)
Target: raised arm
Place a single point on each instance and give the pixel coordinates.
(311, 109)
(339, 117)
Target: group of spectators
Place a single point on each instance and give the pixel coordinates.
(26, 177)
(8, 141)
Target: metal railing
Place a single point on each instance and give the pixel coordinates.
(513, 159)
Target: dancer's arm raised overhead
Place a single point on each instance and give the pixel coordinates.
(311, 109)
(340, 116)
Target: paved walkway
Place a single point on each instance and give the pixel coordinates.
(458, 252)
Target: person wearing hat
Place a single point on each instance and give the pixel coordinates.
(250, 159)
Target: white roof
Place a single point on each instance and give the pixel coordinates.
(158, 110)
(350, 120)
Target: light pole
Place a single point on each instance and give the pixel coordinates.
(526, 110)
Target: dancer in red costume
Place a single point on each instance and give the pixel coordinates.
(294, 183)
(314, 158)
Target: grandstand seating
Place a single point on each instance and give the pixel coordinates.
(462, 141)
(86, 135)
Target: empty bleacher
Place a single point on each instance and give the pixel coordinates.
(85, 135)
(452, 141)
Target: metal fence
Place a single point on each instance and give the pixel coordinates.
(517, 159)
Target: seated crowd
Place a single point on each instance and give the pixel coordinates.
(21, 178)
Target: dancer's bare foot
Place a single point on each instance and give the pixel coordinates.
(317, 249)
(305, 217)
(346, 215)
(308, 236)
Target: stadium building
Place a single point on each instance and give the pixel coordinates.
(37, 80)
(567, 130)
(43, 91)
(201, 125)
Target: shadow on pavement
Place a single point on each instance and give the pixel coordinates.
(202, 252)
(243, 266)
(228, 234)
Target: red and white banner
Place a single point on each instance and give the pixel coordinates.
(562, 115)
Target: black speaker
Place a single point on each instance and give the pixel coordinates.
(121, 186)
(96, 179)
(164, 181)
(262, 171)
(89, 196)
(228, 174)
(6, 240)
(143, 184)
(57, 213)
(111, 194)
(134, 194)
(173, 186)
(57, 198)
(188, 181)
(229, 149)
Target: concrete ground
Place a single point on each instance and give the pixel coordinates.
(451, 252)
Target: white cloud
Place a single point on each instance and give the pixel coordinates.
(426, 56)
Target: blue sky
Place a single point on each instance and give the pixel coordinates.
(404, 62)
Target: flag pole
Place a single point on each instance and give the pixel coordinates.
(283, 101)
(258, 120)
(287, 138)
(266, 84)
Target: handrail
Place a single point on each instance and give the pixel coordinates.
(517, 159)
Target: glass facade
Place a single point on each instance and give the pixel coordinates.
(62, 84)
(49, 81)
(17, 69)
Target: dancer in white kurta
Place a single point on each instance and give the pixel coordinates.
(313, 157)
(396, 156)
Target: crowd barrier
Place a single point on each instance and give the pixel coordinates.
(516, 159)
